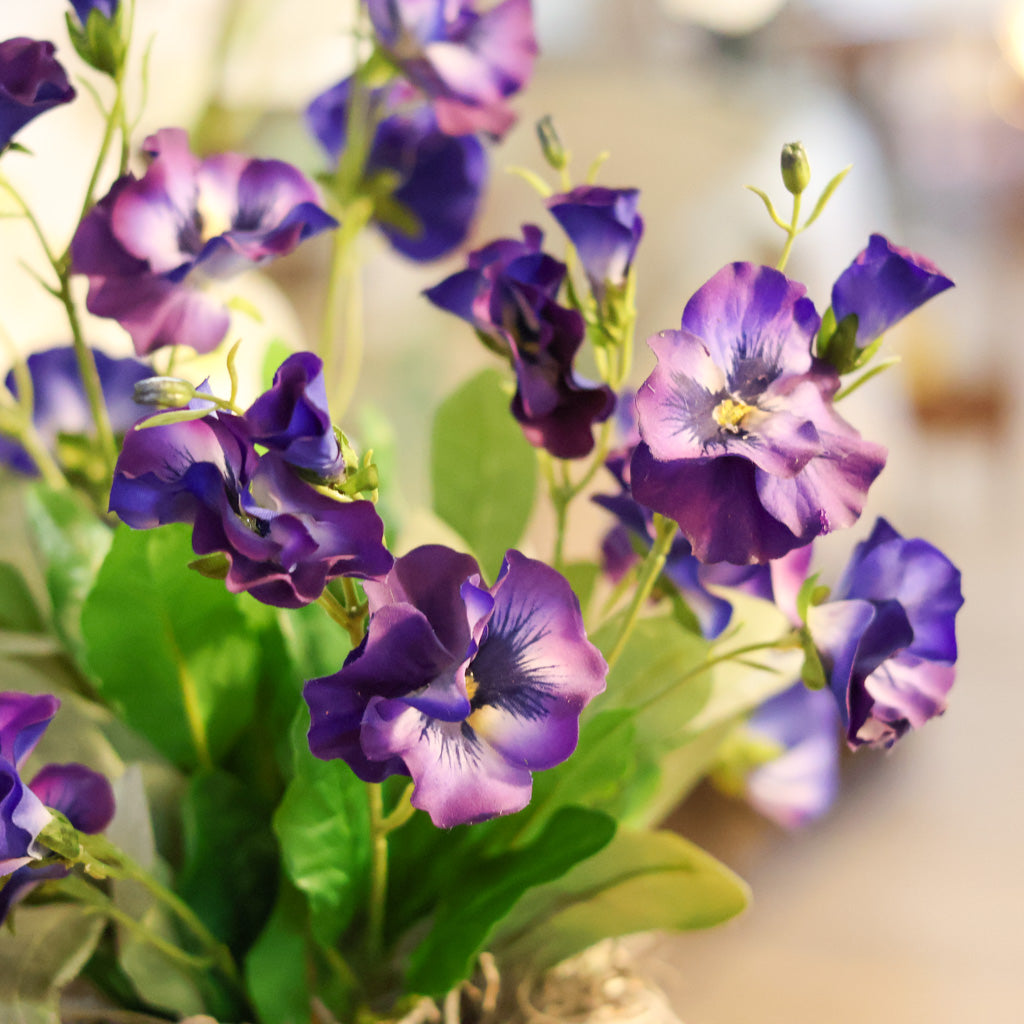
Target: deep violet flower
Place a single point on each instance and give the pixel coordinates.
(887, 636)
(508, 293)
(467, 63)
(882, 285)
(292, 417)
(439, 178)
(60, 406)
(466, 688)
(799, 785)
(82, 795)
(282, 538)
(604, 226)
(741, 445)
(150, 244)
(31, 82)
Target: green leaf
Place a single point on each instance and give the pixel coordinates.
(481, 898)
(640, 881)
(826, 195)
(170, 649)
(18, 611)
(483, 471)
(50, 946)
(276, 971)
(323, 825)
(72, 543)
(231, 866)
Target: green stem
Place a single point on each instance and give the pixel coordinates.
(378, 871)
(346, 618)
(101, 853)
(664, 531)
(791, 232)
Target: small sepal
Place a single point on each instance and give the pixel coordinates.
(99, 42)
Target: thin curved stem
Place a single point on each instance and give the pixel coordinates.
(791, 232)
(664, 531)
(378, 871)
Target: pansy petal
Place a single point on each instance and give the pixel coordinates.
(83, 796)
(23, 719)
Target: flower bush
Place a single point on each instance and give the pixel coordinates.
(360, 777)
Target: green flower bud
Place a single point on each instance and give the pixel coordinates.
(796, 170)
(551, 144)
(167, 392)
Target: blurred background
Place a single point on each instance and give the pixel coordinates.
(902, 906)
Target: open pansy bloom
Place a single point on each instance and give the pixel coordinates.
(151, 243)
(466, 688)
(467, 63)
(83, 796)
(887, 636)
(741, 444)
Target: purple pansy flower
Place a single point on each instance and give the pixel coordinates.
(800, 784)
(283, 539)
(882, 285)
(466, 688)
(60, 406)
(83, 8)
(466, 62)
(82, 795)
(508, 293)
(292, 417)
(887, 636)
(604, 226)
(741, 445)
(626, 543)
(440, 177)
(148, 246)
(31, 82)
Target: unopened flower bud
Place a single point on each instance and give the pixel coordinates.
(167, 392)
(796, 170)
(551, 144)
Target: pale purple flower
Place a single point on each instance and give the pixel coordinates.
(887, 636)
(440, 178)
(508, 293)
(882, 285)
(741, 444)
(32, 81)
(59, 403)
(464, 687)
(283, 539)
(151, 243)
(800, 784)
(467, 62)
(605, 228)
(82, 795)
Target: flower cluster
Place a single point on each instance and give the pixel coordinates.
(283, 537)
(83, 796)
(466, 688)
(149, 246)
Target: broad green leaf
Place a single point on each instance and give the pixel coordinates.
(640, 881)
(18, 611)
(482, 897)
(231, 862)
(483, 472)
(276, 971)
(51, 945)
(72, 543)
(323, 826)
(171, 649)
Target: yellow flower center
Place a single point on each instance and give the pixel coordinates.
(471, 686)
(730, 413)
(211, 215)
